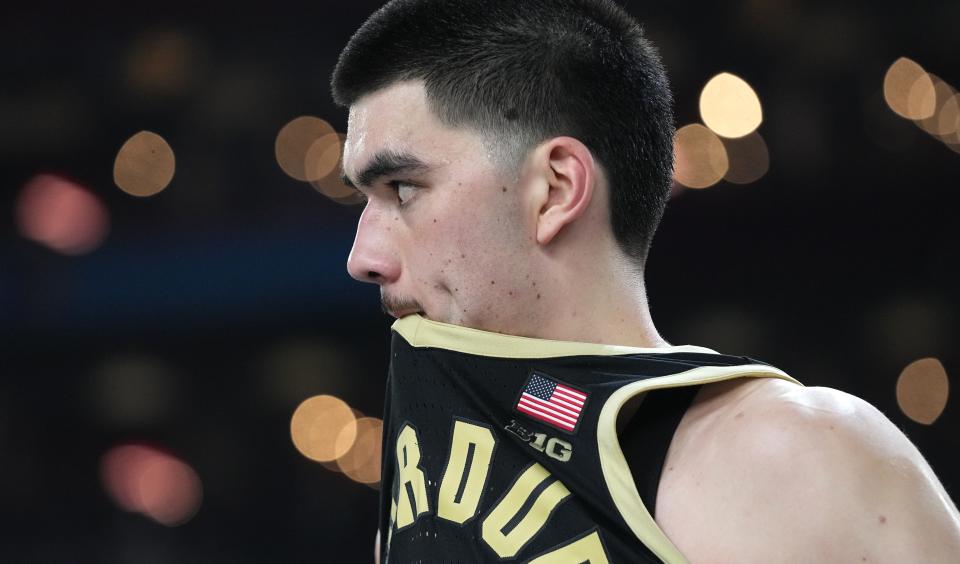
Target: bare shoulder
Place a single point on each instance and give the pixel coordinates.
(764, 469)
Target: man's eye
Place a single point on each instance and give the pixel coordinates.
(404, 190)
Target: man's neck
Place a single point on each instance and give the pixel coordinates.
(623, 321)
(595, 302)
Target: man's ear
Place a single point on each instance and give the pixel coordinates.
(566, 174)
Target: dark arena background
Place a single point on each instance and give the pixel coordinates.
(188, 372)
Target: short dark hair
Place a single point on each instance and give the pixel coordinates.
(523, 71)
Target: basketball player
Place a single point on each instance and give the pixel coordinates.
(515, 157)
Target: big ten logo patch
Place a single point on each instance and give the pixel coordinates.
(554, 447)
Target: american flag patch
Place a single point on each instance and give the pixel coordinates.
(553, 403)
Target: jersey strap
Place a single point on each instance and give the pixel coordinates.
(616, 472)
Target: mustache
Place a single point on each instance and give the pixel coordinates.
(389, 303)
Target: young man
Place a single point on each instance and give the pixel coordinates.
(516, 157)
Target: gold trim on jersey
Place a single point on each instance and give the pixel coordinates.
(613, 463)
(422, 332)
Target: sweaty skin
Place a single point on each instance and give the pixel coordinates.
(758, 471)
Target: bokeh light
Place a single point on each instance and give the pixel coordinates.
(922, 390)
(323, 156)
(330, 184)
(146, 480)
(954, 142)
(161, 62)
(943, 94)
(949, 120)
(61, 215)
(323, 428)
(294, 142)
(145, 165)
(950, 123)
(748, 157)
(922, 98)
(701, 159)
(361, 462)
(909, 326)
(908, 89)
(131, 389)
(729, 106)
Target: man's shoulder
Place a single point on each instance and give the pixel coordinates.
(773, 424)
(821, 471)
(765, 427)
(768, 416)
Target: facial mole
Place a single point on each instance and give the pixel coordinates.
(463, 256)
(503, 188)
(492, 282)
(538, 296)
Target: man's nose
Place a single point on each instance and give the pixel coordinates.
(373, 258)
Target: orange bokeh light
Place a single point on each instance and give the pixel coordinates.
(144, 165)
(293, 144)
(908, 89)
(923, 389)
(361, 462)
(323, 428)
(701, 159)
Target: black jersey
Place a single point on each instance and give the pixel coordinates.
(502, 448)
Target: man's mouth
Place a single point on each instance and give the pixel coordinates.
(399, 307)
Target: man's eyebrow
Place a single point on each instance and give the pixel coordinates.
(385, 163)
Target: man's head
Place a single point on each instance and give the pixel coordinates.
(525, 118)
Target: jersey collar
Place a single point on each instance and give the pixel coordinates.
(422, 332)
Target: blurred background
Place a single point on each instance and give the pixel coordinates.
(187, 373)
